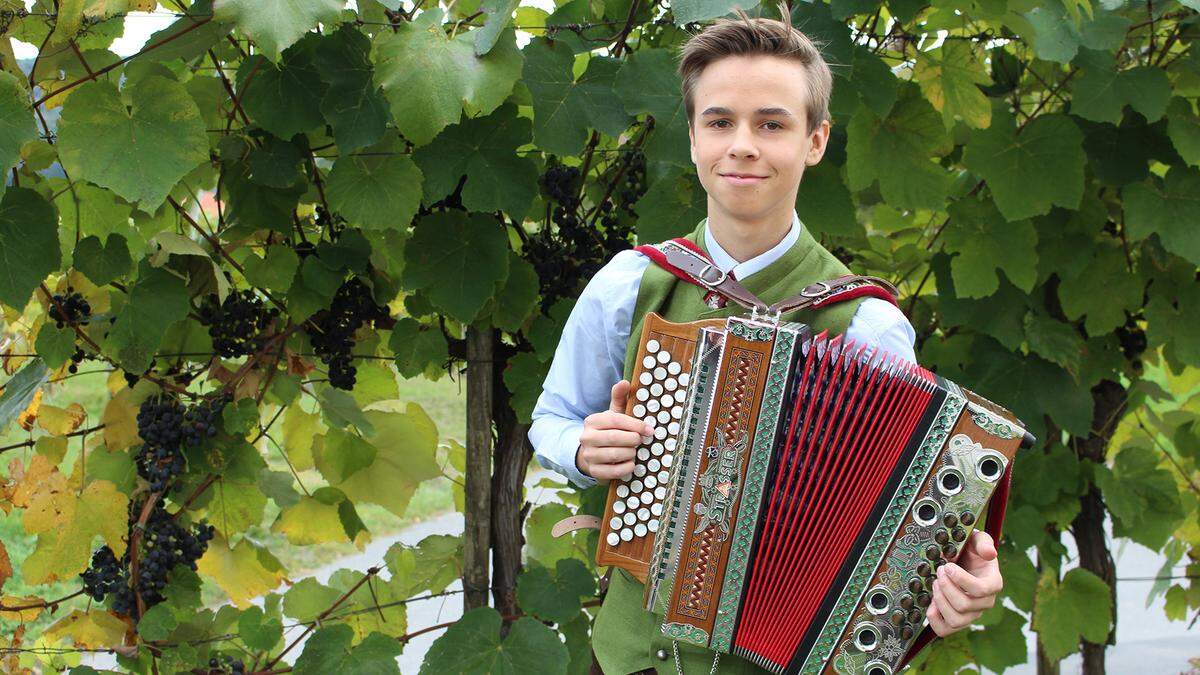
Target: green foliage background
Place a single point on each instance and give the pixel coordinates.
(1026, 172)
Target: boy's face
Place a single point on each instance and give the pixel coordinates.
(740, 139)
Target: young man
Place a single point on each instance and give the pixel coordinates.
(757, 95)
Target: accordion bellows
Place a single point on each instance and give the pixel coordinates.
(799, 491)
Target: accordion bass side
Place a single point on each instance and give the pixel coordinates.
(816, 487)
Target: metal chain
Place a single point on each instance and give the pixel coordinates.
(679, 667)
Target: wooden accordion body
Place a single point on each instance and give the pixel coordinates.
(799, 491)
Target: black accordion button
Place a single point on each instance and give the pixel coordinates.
(923, 599)
(958, 534)
(924, 569)
(915, 585)
(941, 536)
(967, 518)
(950, 520)
(906, 633)
(950, 550)
(897, 617)
(933, 552)
(914, 615)
(906, 602)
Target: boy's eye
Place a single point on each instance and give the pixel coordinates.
(777, 124)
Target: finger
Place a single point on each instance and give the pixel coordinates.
(980, 547)
(611, 454)
(619, 392)
(960, 601)
(954, 619)
(611, 471)
(615, 420)
(599, 438)
(983, 583)
(937, 621)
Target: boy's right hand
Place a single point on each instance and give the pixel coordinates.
(610, 439)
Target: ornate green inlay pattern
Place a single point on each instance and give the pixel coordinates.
(756, 472)
(990, 423)
(852, 595)
(687, 633)
(750, 332)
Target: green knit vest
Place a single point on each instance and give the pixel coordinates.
(625, 637)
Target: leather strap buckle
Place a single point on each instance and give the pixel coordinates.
(815, 290)
(703, 276)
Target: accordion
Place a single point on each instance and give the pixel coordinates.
(798, 492)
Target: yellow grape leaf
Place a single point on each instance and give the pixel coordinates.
(29, 415)
(32, 478)
(66, 523)
(310, 521)
(299, 430)
(53, 448)
(407, 445)
(244, 572)
(5, 565)
(88, 630)
(120, 421)
(61, 421)
(20, 614)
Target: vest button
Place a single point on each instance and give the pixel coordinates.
(661, 654)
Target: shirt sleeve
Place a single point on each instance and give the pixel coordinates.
(881, 324)
(588, 361)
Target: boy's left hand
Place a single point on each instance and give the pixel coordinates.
(964, 589)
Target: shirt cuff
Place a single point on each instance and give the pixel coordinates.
(570, 448)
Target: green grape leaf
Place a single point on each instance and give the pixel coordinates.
(428, 77)
(499, 16)
(28, 244)
(542, 545)
(897, 150)
(284, 98)
(353, 104)
(376, 192)
(342, 454)
(555, 598)
(648, 82)
(985, 243)
(691, 11)
(992, 316)
(473, 646)
(456, 259)
(329, 650)
(406, 445)
(275, 271)
(1002, 643)
(674, 202)
(1055, 36)
(949, 77)
(252, 205)
(157, 300)
(1174, 312)
(55, 345)
(274, 25)
(429, 567)
(312, 521)
(1141, 496)
(1030, 171)
(523, 377)
(307, 598)
(1054, 340)
(518, 296)
(1031, 387)
(103, 140)
(1079, 606)
(1102, 291)
(1169, 208)
(341, 409)
(102, 263)
(276, 162)
(823, 202)
(417, 348)
(16, 120)
(259, 630)
(485, 150)
(66, 522)
(1183, 127)
(1100, 93)
(565, 108)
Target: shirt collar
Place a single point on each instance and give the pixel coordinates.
(741, 270)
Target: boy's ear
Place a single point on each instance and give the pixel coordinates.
(692, 142)
(819, 142)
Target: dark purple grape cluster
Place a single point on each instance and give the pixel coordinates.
(574, 249)
(332, 330)
(164, 544)
(332, 224)
(226, 664)
(236, 324)
(166, 426)
(70, 308)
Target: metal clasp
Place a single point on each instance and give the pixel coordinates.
(720, 278)
(824, 288)
(767, 315)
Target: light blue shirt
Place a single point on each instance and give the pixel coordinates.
(590, 356)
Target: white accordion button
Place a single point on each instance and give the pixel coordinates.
(652, 346)
(635, 486)
(615, 523)
(647, 497)
(645, 378)
(683, 379)
(626, 534)
(667, 400)
(670, 445)
(666, 461)
(656, 389)
(660, 493)
(650, 481)
(671, 384)
(618, 507)
(653, 405)
(676, 411)
(614, 538)
(672, 427)
(674, 367)
(639, 410)
(639, 530)
(660, 433)
(623, 490)
(664, 416)
(656, 449)
(639, 470)
(648, 362)
(652, 526)
(663, 476)
(632, 502)
(643, 454)
(663, 357)
(680, 395)
(653, 465)
(656, 509)
(643, 514)
(642, 394)
(630, 517)
(660, 373)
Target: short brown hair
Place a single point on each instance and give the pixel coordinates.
(757, 36)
